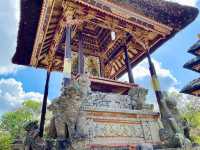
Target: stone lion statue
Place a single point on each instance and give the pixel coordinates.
(66, 109)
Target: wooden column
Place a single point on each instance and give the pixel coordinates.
(102, 66)
(44, 105)
(154, 78)
(128, 65)
(164, 110)
(80, 54)
(67, 58)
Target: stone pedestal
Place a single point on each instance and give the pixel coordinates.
(96, 120)
(104, 121)
(86, 120)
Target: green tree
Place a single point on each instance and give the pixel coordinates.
(5, 140)
(13, 122)
(189, 107)
(192, 114)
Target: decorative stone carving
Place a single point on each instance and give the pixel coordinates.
(85, 117)
(173, 133)
(33, 140)
(108, 100)
(66, 108)
(138, 96)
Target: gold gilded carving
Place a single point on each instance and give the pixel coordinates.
(77, 12)
(108, 69)
(123, 15)
(65, 20)
(120, 35)
(40, 32)
(92, 65)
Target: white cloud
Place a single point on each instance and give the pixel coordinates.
(142, 77)
(9, 11)
(12, 95)
(142, 70)
(16, 6)
(10, 68)
(173, 89)
(186, 2)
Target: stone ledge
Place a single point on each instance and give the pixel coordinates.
(194, 148)
(104, 109)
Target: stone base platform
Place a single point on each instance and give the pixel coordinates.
(115, 129)
(92, 120)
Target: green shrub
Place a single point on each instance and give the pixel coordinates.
(5, 141)
(196, 139)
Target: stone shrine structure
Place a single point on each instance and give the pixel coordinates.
(97, 120)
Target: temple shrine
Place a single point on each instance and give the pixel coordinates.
(93, 43)
(193, 87)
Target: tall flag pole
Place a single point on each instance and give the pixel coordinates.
(44, 105)
(67, 58)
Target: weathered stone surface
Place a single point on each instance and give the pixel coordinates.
(84, 120)
(66, 108)
(108, 100)
(90, 119)
(74, 116)
(33, 140)
(144, 147)
(173, 132)
(138, 98)
(193, 148)
(17, 144)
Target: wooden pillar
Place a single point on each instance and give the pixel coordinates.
(80, 54)
(102, 66)
(44, 105)
(67, 58)
(155, 81)
(128, 65)
(164, 110)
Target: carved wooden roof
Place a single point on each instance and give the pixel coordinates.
(192, 88)
(193, 64)
(195, 49)
(141, 24)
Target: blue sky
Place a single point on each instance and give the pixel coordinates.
(18, 83)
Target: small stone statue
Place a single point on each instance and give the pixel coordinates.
(32, 140)
(173, 131)
(138, 98)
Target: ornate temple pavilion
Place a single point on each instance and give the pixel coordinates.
(193, 87)
(102, 39)
(141, 25)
